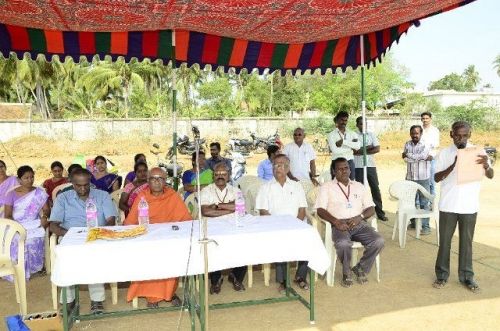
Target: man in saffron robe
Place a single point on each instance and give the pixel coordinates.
(165, 205)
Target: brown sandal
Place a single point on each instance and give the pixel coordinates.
(302, 283)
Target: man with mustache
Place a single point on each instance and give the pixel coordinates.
(343, 142)
(458, 203)
(217, 199)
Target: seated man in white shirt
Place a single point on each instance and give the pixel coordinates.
(346, 204)
(217, 199)
(283, 196)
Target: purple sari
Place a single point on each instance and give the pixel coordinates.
(8, 184)
(26, 211)
(104, 183)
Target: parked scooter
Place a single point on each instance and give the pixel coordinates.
(492, 154)
(184, 146)
(167, 166)
(238, 164)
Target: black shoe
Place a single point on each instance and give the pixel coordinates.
(383, 218)
(96, 307)
(346, 281)
(360, 274)
(215, 288)
(237, 285)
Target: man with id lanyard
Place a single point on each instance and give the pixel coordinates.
(346, 204)
(343, 142)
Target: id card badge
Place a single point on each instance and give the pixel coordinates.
(349, 205)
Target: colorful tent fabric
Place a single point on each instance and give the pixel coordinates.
(290, 35)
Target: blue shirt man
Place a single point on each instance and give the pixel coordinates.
(69, 208)
(265, 168)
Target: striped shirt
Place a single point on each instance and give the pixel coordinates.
(417, 168)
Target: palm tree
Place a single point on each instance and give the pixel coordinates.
(496, 64)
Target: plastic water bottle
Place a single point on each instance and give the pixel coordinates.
(143, 212)
(239, 209)
(91, 213)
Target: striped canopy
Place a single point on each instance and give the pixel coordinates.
(279, 35)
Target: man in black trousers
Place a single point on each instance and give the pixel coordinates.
(372, 147)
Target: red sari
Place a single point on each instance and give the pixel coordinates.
(49, 185)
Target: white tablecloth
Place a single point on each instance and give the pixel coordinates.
(163, 252)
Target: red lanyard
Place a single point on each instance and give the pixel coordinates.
(348, 191)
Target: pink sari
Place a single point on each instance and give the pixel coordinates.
(7, 185)
(133, 192)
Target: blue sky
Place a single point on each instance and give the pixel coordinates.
(449, 42)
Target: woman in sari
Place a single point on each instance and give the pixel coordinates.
(189, 177)
(131, 175)
(7, 183)
(131, 190)
(24, 204)
(50, 184)
(102, 179)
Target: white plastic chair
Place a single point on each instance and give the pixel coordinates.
(405, 192)
(8, 229)
(53, 243)
(324, 177)
(330, 249)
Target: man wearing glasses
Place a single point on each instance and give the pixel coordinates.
(302, 158)
(217, 199)
(165, 206)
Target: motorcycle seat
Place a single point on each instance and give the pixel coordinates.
(243, 142)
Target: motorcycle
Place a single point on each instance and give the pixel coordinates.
(238, 164)
(257, 144)
(492, 154)
(184, 146)
(167, 166)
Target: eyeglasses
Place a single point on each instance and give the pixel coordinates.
(280, 166)
(157, 179)
(220, 173)
(297, 134)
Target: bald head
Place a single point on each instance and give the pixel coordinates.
(157, 180)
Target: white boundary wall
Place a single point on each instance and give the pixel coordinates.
(241, 127)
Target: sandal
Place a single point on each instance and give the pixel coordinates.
(282, 288)
(472, 285)
(439, 283)
(360, 274)
(346, 281)
(302, 283)
(176, 301)
(153, 305)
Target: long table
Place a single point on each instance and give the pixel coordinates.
(164, 252)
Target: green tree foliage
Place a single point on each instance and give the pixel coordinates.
(105, 88)
(466, 82)
(496, 64)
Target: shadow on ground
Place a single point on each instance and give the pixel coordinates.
(403, 300)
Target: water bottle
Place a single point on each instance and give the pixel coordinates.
(143, 212)
(239, 209)
(91, 213)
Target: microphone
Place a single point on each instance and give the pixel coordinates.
(195, 130)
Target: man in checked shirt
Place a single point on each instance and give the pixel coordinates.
(418, 169)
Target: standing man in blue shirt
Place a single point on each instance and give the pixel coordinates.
(69, 211)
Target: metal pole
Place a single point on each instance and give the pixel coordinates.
(174, 112)
(363, 108)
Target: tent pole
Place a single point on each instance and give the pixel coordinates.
(174, 113)
(363, 109)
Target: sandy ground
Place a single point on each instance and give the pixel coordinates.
(403, 300)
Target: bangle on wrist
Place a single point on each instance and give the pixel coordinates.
(362, 216)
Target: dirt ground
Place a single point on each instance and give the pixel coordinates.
(403, 300)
